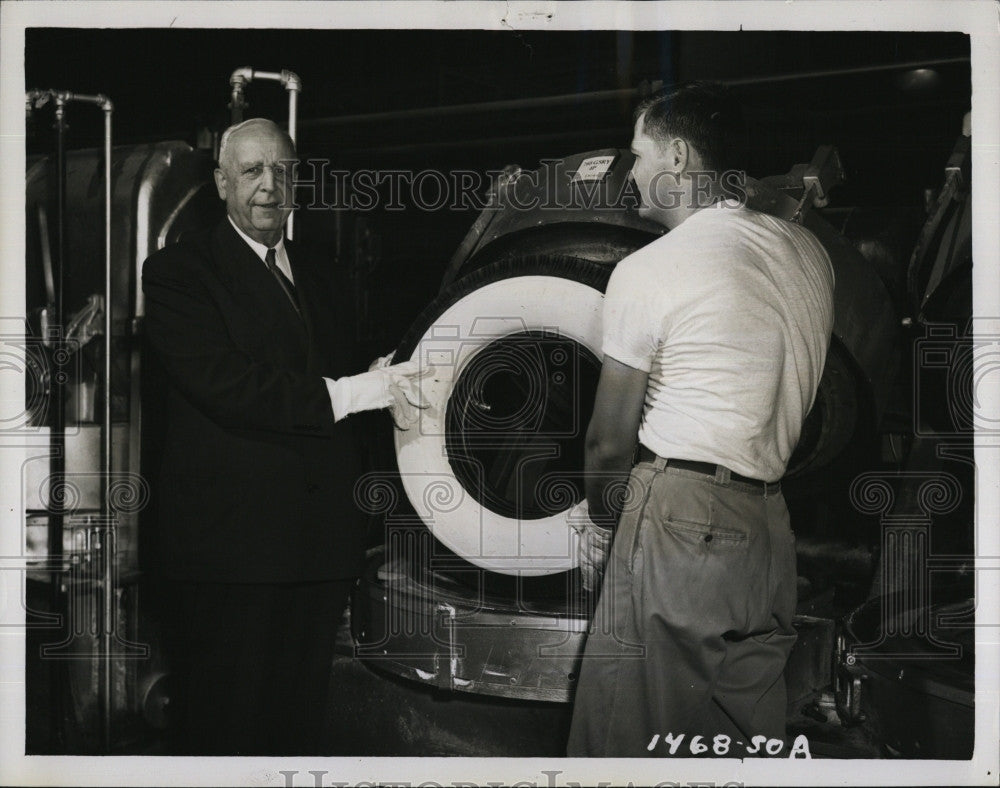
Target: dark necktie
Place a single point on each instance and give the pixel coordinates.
(272, 265)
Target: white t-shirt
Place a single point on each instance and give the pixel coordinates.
(730, 314)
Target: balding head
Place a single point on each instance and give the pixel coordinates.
(261, 126)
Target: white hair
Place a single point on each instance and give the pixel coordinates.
(224, 142)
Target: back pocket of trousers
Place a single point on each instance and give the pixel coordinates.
(713, 537)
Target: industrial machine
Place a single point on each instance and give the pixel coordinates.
(472, 586)
(83, 486)
(475, 589)
(514, 343)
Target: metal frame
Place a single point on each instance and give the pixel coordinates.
(35, 99)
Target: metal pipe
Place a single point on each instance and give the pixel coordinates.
(844, 72)
(60, 272)
(105, 552)
(290, 81)
(570, 99)
(108, 543)
(58, 434)
(237, 99)
(293, 86)
(483, 106)
(596, 136)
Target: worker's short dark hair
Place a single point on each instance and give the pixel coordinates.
(706, 115)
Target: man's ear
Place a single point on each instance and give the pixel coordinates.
(679, 154)
(220, 183)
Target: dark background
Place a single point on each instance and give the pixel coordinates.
(168, 83)
(891, 102)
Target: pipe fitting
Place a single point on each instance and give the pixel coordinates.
(237, 99)
(290, 80)
(36, 99)
(241, 76)
(99, 100)
(239, 79)
(60, 108)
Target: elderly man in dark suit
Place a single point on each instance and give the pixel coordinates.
(259, 536)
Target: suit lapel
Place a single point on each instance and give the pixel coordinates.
(252, 285)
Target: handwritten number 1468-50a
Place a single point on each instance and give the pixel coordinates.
(723, 745)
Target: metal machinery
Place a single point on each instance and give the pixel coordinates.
(84, 496)
(93, 217)
(475, 590)
(472, 586)
(514, 341)
(905, 659)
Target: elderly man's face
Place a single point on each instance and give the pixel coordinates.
(254, 179)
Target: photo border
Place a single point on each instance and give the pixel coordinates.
(968, 16)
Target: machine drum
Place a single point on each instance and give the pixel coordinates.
(513, 350)
(512, 353)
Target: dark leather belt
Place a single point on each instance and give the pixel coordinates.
(707, 468)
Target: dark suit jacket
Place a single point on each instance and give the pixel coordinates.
(255, 479)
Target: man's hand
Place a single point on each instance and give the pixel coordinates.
(392, 386)
(407, 400)
(593, 546)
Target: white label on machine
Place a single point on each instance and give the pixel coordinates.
(594, 168)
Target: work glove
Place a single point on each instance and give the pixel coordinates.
(594, 545)
(392, 386)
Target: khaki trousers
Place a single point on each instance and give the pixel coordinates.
(693, 626)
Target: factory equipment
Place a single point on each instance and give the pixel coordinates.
(156, 192)
(513, 340)
(93, 217)
(476, 590)
(472, 586)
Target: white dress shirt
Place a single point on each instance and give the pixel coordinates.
(280, 255)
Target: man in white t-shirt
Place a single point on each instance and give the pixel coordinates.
(715, 336)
